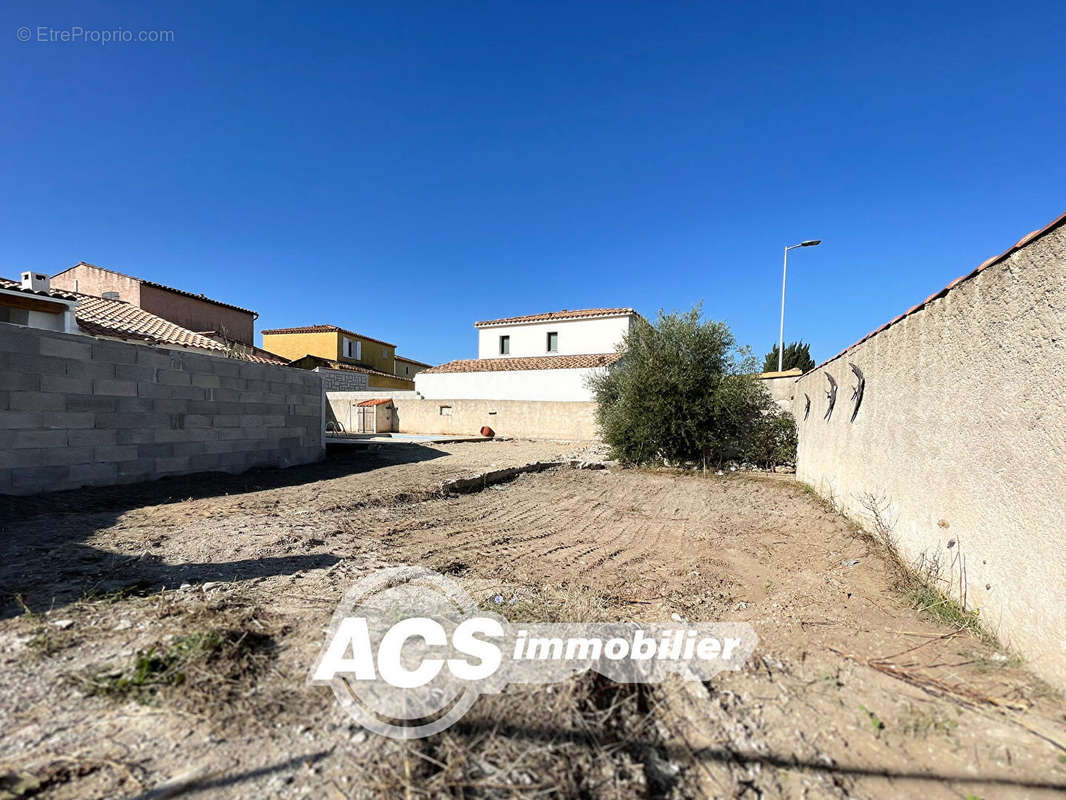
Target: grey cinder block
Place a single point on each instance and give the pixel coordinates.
(114, 352)
(78, 349)
(92, 474)
(172, 377)
(117, 452)
(36, 401)
(90, 436)
(113, 386)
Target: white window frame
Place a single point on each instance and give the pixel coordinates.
(353, 348)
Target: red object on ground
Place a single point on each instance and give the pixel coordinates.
(487, 431)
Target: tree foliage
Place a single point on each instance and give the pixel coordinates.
(797, 356)
(684, 393)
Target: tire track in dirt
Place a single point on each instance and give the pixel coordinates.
(595, 530)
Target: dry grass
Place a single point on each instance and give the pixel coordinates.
(210, 661)
(922, 583)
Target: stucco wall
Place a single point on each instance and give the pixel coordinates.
(390, 382)
(79, 411)
(198, 315)
(373, 354)
(329, 344)
(88, 279)
(296, 345)
(575, 337)
(961, 437)
(781, 388)
(520, 419)
(407, 369)
(568, 385)
(189, 312)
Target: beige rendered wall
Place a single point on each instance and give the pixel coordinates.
(524, 419)
(961, 436)
(87, 279)
(189, 312)
(781, 386)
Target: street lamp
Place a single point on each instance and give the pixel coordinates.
(784, 272)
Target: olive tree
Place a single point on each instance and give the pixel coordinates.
(684, 393)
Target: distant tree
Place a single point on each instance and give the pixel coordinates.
(797, 356)
(684, 393)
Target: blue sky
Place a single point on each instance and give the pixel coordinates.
(403, 169)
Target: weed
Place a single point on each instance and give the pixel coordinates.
(984, 662)
(923, 723)
(217, 656)
(920, 582)
(875, 721)
(138, 589)
(46, 640)
(939, 607)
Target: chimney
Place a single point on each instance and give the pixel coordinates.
(36, 281)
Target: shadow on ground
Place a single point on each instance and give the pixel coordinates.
(339, 461)
(638, 747)
(45, 566)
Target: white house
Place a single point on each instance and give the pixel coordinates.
(33, 303)
(536, 357)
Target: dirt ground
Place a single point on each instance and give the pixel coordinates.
(229, 581)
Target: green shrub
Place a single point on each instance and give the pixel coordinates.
(685, 394)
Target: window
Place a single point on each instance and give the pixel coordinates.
(445, 411)
(15, 316)
(353, 348)
(553, 342)
(505, 345)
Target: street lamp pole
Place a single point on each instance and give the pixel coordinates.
(784, 274)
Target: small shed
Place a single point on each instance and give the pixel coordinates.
(373, 416)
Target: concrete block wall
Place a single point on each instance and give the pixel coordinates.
(960, 442)
(79, 411)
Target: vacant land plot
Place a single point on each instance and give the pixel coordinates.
(114, 685)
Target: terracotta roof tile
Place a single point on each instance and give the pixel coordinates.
(551, 316)
(583, 361)
(379, 401)
(322, 329)
(118, 319)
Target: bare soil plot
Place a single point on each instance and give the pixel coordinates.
(826, 709)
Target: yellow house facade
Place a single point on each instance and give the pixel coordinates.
(327, 344)
(333, 343)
